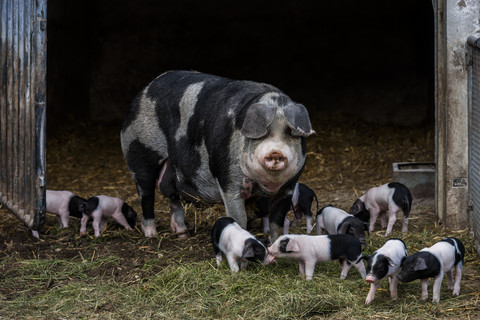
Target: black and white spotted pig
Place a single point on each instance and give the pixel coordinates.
(393, 197)
(237, 244)
(382, 263)
(434, 262)
(309, 250)
(335, 220)
(300, 203)
(101, 208)
(64, 204)
(208, 138)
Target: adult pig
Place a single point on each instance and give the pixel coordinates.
(211, 139)
(384, 262)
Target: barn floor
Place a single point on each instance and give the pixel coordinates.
(345, 158)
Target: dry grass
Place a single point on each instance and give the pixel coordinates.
(124, 275)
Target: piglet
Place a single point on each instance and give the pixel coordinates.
(393, 197)
(433, 262)
(335, 220)
(237, 244)
(64, 204)
(102, 207)
(300, 203)
(384, 262)
(309, 250)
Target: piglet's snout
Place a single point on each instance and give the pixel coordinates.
(370, 278)
(275, 161)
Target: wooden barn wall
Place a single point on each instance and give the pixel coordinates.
(23, 108)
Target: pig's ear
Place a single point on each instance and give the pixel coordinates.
(292, 246)
(343, 227)
(420, 265)
(248, 251)
(257, 120)
(357, 207)
(390, 262)
(298, 120)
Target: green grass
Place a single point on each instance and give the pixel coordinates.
(57, 289)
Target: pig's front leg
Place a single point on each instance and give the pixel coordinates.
(437, 283)
(405, 224)
(345, 268)
(449, 275)
(393, 283)
(63, 219)
(232, 262)
(361, 269)
(96, 226)
(309, 224)
(301, 267)
(371, 293)
(177, 221)
(266, 225)
(424, 286)
(83, 224)
(235, 207)
(458, 279)
(286, 225)
(374, 213)
(392, 217)
(309, 268)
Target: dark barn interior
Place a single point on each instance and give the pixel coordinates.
(371, 60)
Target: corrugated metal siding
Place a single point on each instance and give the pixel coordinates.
(22, 108)
(474, 136)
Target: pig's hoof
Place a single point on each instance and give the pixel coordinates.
(149, 229)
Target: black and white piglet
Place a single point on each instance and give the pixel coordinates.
(102, 207)
(64, 204)
(393, 197)
(434, 262)
(300, 203)
(237, 244)
(382, 263)
(335, 220)
(309, 250)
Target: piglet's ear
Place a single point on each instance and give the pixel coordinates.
(257, 120)
(420, 265)
(292, 246)
(343, 228)
(298, 120)
(248, 251)
(390, 262)
(357, 207)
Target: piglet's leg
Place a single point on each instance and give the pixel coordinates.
(309, 224)
(458, 279)
(309, 269)
(392, 217)
(424, 286)
(371, 293)
(286, 226)
(63, 217)
(393, 281)
(266, 225)
(301, 267)
(449, 275)
(120, 219)
(232, 262)
(405, 224)
(437, 283)
(361, 269)
(83, 224)
(374, 213)
(177, 221)
(345, 268)
(96, 226)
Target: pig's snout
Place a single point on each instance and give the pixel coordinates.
(370, 278)
(275, 161)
